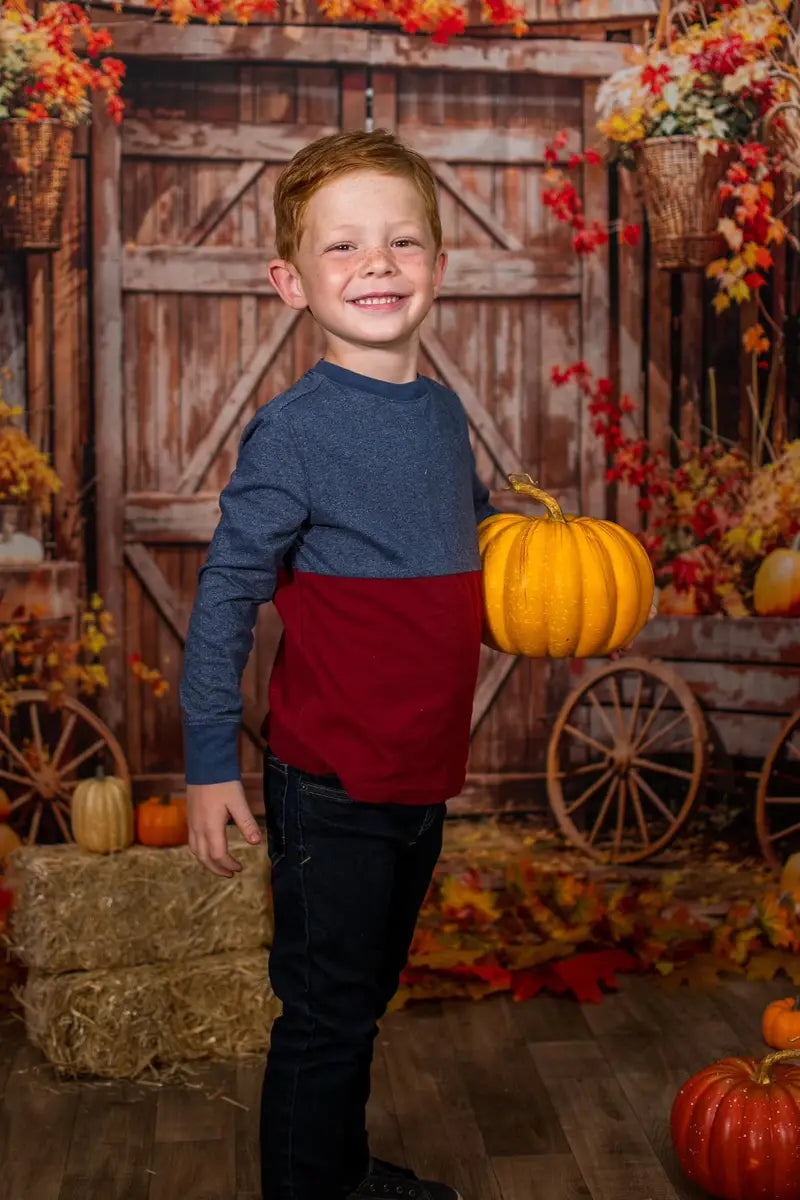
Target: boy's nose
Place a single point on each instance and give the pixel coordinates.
(378, 261)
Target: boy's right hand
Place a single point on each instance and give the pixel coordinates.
(209, 807)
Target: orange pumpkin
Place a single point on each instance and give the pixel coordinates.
(776, 591)
(780, 1025)
(162, 821)
(561, 586)
(790, 877)
(5, 805)
(8, 841)
(671, 602)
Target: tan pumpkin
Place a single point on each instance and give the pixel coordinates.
(102, 814)
(561, 586)
(776, 591)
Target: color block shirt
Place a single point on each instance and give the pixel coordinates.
(354, 506)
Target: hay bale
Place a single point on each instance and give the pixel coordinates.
(131, 1022)
(77, 911)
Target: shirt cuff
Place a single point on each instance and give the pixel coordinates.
(211, 753)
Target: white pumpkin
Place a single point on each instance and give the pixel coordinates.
(102, 814)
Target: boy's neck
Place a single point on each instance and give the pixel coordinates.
(391, 366)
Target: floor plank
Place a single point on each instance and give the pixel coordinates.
(546, 1100)
(609, 1145)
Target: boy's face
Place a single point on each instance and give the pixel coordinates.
(367, 265)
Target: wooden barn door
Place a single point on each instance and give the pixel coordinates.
(516, 304)
(182, 301)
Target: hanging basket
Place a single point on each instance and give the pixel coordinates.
(681, 195)
(34, 168)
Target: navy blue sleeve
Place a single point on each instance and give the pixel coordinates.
(261, 511)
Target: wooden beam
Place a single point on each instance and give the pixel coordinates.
(161, 137)
(106, 159)
(221, 205)
(230, 271)
(164, 518)
(504, 455)
(234, 140)
(209, 445)
(287, 45)
(489, 686)
(176, 616)
(451, 180)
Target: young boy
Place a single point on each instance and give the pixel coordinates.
(354, 505)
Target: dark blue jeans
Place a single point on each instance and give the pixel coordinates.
(348, 880)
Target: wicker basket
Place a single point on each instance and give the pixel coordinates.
(34, 168)
(681, 195)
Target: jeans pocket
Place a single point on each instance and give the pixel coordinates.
(275, 812)
(325, 791)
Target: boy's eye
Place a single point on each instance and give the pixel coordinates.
(342, 246)
(405, 242)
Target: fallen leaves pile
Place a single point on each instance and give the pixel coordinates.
(513, 910)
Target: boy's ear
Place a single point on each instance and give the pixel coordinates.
(284, 278)
(439, 268)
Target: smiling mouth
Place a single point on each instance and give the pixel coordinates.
(377, 301)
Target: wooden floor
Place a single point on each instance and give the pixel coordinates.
(507, 1101)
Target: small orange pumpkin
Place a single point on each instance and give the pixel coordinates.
(780, 1025)
(671, 602)
(776, 591)
(162, 821)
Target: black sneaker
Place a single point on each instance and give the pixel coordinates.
(396, 1183)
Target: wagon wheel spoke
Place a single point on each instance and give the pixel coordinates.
(661, 768)
(637, 807)
(585, 737)
(603, 715)
(66, 734)
(62, 824)
(653, 796)
(656, 737)
(621, 809)
(34, 827)
(782, 833)
(651, 716)
(23, 799)
(604, 807)
(794, 750)
(637, 700)
(15, 778)
(793, 800)
(37, 732)
(80, 758)
(582, 770)
(615, 699)
(8, 745)
(590, 791)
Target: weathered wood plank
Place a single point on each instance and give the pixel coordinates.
(162, 137)
(34, 1114)
(177, 617)
(232, 406)
(480, 418)
(111, 1146)
(476, 206)
(364, 47)
(595, 323)
(225, 271)
(222, 204)
(722, 639)
(109, 415)
(489, 687)
(609, 1144)
(164, 517)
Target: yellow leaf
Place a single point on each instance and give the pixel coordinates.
(716, 268)
(740, 291)
(767, 964)
(721, 301)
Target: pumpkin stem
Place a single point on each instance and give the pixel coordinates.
(526, 486)
(761, 1072)
(100, 772)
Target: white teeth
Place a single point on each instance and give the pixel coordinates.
(377, 300)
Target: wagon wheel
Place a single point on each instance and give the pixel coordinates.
(626, 759)
(778, 798)
(43, 747)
